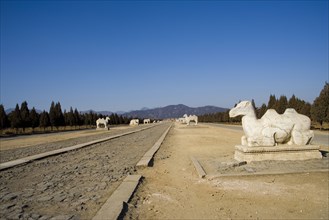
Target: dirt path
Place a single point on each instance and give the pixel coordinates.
(172, 190)
(73, 185)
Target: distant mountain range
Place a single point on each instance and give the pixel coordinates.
(12, 109)
(173, 111)
(170, 111)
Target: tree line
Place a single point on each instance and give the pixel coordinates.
(318, 111)
(23, 117)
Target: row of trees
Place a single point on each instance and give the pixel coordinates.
(318, 111)
(24, 118)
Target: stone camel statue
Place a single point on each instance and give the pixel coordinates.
(190, 118)
(103, 121)
(272, 129)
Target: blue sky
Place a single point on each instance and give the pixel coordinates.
(125, 55)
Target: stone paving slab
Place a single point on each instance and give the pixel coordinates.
(113, 207)
(198, 168)
(145, 161)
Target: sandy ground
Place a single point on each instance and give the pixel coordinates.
(172, 189)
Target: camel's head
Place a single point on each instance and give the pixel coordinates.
(107, 119)
(185, 116)
(243, 108)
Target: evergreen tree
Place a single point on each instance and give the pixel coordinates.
(89, 118)
(121, 120)
(77, 118)
(25, 116)
(261, 111)
(70, 118)
(34, 117)
(15, 118)
(319, 109)
(59, 115)
(44, 120)
(3, 118)
(305, 109)
(66, 120)
(293, 103)
(271, 102)
(282, 104)
(52, 115)
(56, 115)
(253, 104)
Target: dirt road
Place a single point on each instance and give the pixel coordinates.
(172, 189)
(73, 185)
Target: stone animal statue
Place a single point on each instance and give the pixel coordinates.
(272, 129)
(147, 121)
(103, 121)
(190, 118)
(181, 120)
(134, 122)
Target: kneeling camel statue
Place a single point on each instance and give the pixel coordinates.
(272, 129)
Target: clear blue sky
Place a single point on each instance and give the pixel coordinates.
(125, 55)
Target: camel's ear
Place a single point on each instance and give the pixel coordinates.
(246, 104)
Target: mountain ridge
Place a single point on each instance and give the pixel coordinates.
(173, 111)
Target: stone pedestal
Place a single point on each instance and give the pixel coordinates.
(280, 152)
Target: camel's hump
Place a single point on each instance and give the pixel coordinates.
(270, 113)
(290, 111)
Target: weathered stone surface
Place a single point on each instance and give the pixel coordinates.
(272, 129)
(198, 168)
(287, 152)
(73, 177)
(104, 122)
(187, 119)
(114, 205)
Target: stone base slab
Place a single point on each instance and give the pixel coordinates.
(281, 152)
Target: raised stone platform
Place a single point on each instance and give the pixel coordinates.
(280, 152)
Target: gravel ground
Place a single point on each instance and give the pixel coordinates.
(16, 153)
(73, 185)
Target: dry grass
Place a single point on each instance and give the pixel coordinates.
(13, 132)
(316, 125)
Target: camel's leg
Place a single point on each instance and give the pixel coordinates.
(297, 137)
(302, 138)
(244, 141)
(268, 141)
